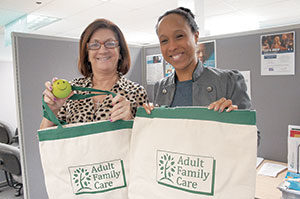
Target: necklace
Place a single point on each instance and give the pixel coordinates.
(98, 104)
(98, 101)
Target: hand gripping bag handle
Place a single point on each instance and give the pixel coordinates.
(47, 112)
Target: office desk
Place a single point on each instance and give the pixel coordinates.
(266, 187)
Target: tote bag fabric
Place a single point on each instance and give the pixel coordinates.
(85, 160)
(193, 153)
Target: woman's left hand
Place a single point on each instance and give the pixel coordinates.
(121, 109)
(221, 104)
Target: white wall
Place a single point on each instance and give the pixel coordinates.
(7, 91)
(7, 94)
(5, 51)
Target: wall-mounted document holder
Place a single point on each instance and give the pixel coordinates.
(293, 148)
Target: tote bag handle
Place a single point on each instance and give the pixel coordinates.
(47, 112)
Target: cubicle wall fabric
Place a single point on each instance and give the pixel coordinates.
(86, 160)
(193, 153)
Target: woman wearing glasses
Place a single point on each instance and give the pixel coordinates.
(103, 60)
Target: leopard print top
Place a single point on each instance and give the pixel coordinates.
(78, 111)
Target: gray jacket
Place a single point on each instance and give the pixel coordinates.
(209, 85)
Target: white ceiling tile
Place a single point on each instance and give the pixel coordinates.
(277, 10)
(142, 4)
(107, 10)
(22, 5)
(146, 17)
(216, 7)
(59, 27)
(244, 4)
(66, 8)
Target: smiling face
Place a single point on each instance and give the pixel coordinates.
(104, 60)
(177, 42)
(61, 88)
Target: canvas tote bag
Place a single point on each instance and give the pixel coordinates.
(193, 153)
(87, 160)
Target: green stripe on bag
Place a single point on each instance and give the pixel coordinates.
(247, 117)
(82, 130)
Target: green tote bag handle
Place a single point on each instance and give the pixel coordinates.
(47, 112)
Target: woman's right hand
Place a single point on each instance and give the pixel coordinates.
(148, 107)
(53, 102)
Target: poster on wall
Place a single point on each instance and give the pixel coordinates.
(155, 70)
(246, 75)
(169, 69)
(278, 54)
(206, 52)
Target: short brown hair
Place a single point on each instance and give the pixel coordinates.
(84, 65)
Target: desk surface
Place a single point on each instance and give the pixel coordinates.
(266, 187)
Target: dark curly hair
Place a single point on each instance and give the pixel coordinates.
(187, 15)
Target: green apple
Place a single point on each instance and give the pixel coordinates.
(61, 88)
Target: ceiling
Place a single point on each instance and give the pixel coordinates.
(137, 18)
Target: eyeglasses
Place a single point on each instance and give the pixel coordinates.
(107, 44)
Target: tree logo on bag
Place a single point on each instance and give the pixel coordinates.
(185, 172)
(82, 179)
(167, 168)
(97, 178)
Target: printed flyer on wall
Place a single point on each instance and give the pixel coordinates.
(169, 69)
(155, 70)
(206, 52)
(278, 54)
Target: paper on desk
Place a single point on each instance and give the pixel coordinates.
(259, 160)
(270, 169)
